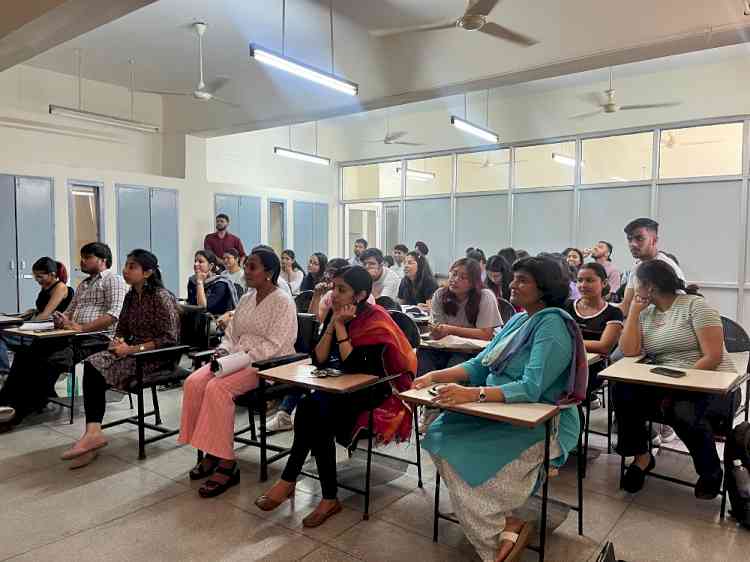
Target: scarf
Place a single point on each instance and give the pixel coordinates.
(221, 279)
(499, 356)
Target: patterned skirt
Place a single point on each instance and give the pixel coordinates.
(119, 372)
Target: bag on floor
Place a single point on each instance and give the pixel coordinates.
(737, 471)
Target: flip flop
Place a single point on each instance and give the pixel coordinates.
(84, 460)
(520, 541)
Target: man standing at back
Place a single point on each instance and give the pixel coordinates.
(643, 238)
(222, 240)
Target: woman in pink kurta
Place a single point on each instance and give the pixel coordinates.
(264, 325)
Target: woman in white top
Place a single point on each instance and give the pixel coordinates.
(264, 325)
(680, 331)
(464, 308)
(291, 271)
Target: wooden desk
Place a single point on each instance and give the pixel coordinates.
(524, 415)
(44, 334)
(300, 374)
(629, 370)
(9, 321)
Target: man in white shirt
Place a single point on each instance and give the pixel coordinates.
(399, 256)
(643, 237)
(385, 283)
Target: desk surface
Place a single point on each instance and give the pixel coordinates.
(300, 374)
(592, 358)
(9, 321)
(526, 415)
(39, 335)
(629, 370)
(455, 344)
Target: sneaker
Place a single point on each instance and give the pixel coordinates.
(281, 421)
(596, 403)
(656, 435)
(7, 414)
(667, 434)
(427, 416)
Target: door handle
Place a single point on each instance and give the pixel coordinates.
(27, 276)
(23, 264)
(12, 264)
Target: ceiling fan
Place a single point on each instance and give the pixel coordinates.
(394, 137)
(201, 92)
(473, 19)
(669, 140)
(608, 103)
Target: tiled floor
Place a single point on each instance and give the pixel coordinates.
(120, 508)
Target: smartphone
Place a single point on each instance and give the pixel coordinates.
(435, 389)
(667, 372)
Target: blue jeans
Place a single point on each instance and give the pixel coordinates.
(4, 361)
(290, 401)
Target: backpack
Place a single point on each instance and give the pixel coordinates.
(738, 480)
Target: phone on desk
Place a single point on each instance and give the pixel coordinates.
(435, 390)
(667, 372)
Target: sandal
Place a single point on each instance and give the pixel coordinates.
(212, 488)
(520, 541)
(204, 468)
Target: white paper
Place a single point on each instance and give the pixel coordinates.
(457, 342)
(37, 326)
(232, 363)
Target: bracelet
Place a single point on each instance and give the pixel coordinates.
(342, 341)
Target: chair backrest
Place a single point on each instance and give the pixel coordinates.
(239, 289)
(506, 309)
(388, 303)
(195, 324)
(302, 301)
(735, 336)
(408, 327)
(307, 328)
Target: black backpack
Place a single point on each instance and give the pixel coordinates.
(738, 481)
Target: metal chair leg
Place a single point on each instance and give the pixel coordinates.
(130, 398)
(73, 392)
(370, 431)
(141, 427)
(263, 436)
(251, 420)
(610, 413)
(747, 400)
(586, 429)
(437, 508)
(581, 474)
(419, 449)
(155, 402)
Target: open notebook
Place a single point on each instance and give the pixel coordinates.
(456, 342)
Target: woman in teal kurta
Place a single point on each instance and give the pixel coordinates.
(491, 468)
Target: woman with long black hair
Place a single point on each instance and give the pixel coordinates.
(207, 288)
(149, 320)
(418, 284)
(498, 277)
(316, 268)
(291, 271)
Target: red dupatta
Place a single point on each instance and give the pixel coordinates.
(391, 419)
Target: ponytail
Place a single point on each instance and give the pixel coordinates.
(51, 267)
(62, 272)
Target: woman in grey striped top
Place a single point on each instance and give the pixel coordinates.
(676, 330)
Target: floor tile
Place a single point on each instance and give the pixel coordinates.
(328, 554)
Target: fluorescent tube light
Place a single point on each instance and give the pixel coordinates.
(304, 156)
(302, 70)
(564, 160)
(417, 175)
(102, 119)
(475, 130)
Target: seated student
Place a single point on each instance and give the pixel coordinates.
(478, 255)
(209, 289)
(675, 330)
(385, 282)
(316, 267)
(291, 271)
(356, 337)
(600, 322)
(463, 308)
(232, 268)
(149, 320)
(418, 284)
(399, 257)
(388, 262)
(574, 258)
(54, 295)
(264, 325)
(498, 277)
(422, 248)
(509, 254)
(491, 469)
(95, 307)
(281, 283)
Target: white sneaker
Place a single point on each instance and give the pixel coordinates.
(7, 413)
(667, 434)
(281, 421)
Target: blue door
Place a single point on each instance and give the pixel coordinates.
(133, 222)
(320, 228)
(8, 258)
(230, 206)
(304, 244)
(249, 224)
(165, 237)
(35, 236)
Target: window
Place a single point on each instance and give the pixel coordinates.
(713, 150)
(85, 224)
(362, 222)
(545, 165)
(372, 181)
(428, 176)
(619, 158)
(277, 225)
(483, 171)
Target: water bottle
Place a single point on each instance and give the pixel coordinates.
(741, 479)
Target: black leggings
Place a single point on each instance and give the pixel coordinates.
(314, 433)
(94, 393)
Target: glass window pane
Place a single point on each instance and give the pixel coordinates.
(619, 158)
(545, 165)
(84, 220)
(372, 181)
(428, 176)
(714, 150)
(361, 222)
(483, 171)
(276, 226)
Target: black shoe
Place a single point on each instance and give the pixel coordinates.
(635, 477)
(204, 468)
(212, 488)
(708, 487)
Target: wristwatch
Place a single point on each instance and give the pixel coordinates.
(482, 394)
(141, 348)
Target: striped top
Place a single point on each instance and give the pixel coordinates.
(670, 337)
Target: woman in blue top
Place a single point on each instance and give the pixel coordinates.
(491, 469)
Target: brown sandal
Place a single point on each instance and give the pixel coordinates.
(316, 519)
(266, 503)
(212, 488)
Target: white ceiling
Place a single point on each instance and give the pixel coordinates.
(574, 35)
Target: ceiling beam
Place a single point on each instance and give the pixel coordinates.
(30, 28)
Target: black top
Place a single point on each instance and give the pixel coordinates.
(308, 283)
(218, 296)
(592, 327)
(413, 295)
(46, 294)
